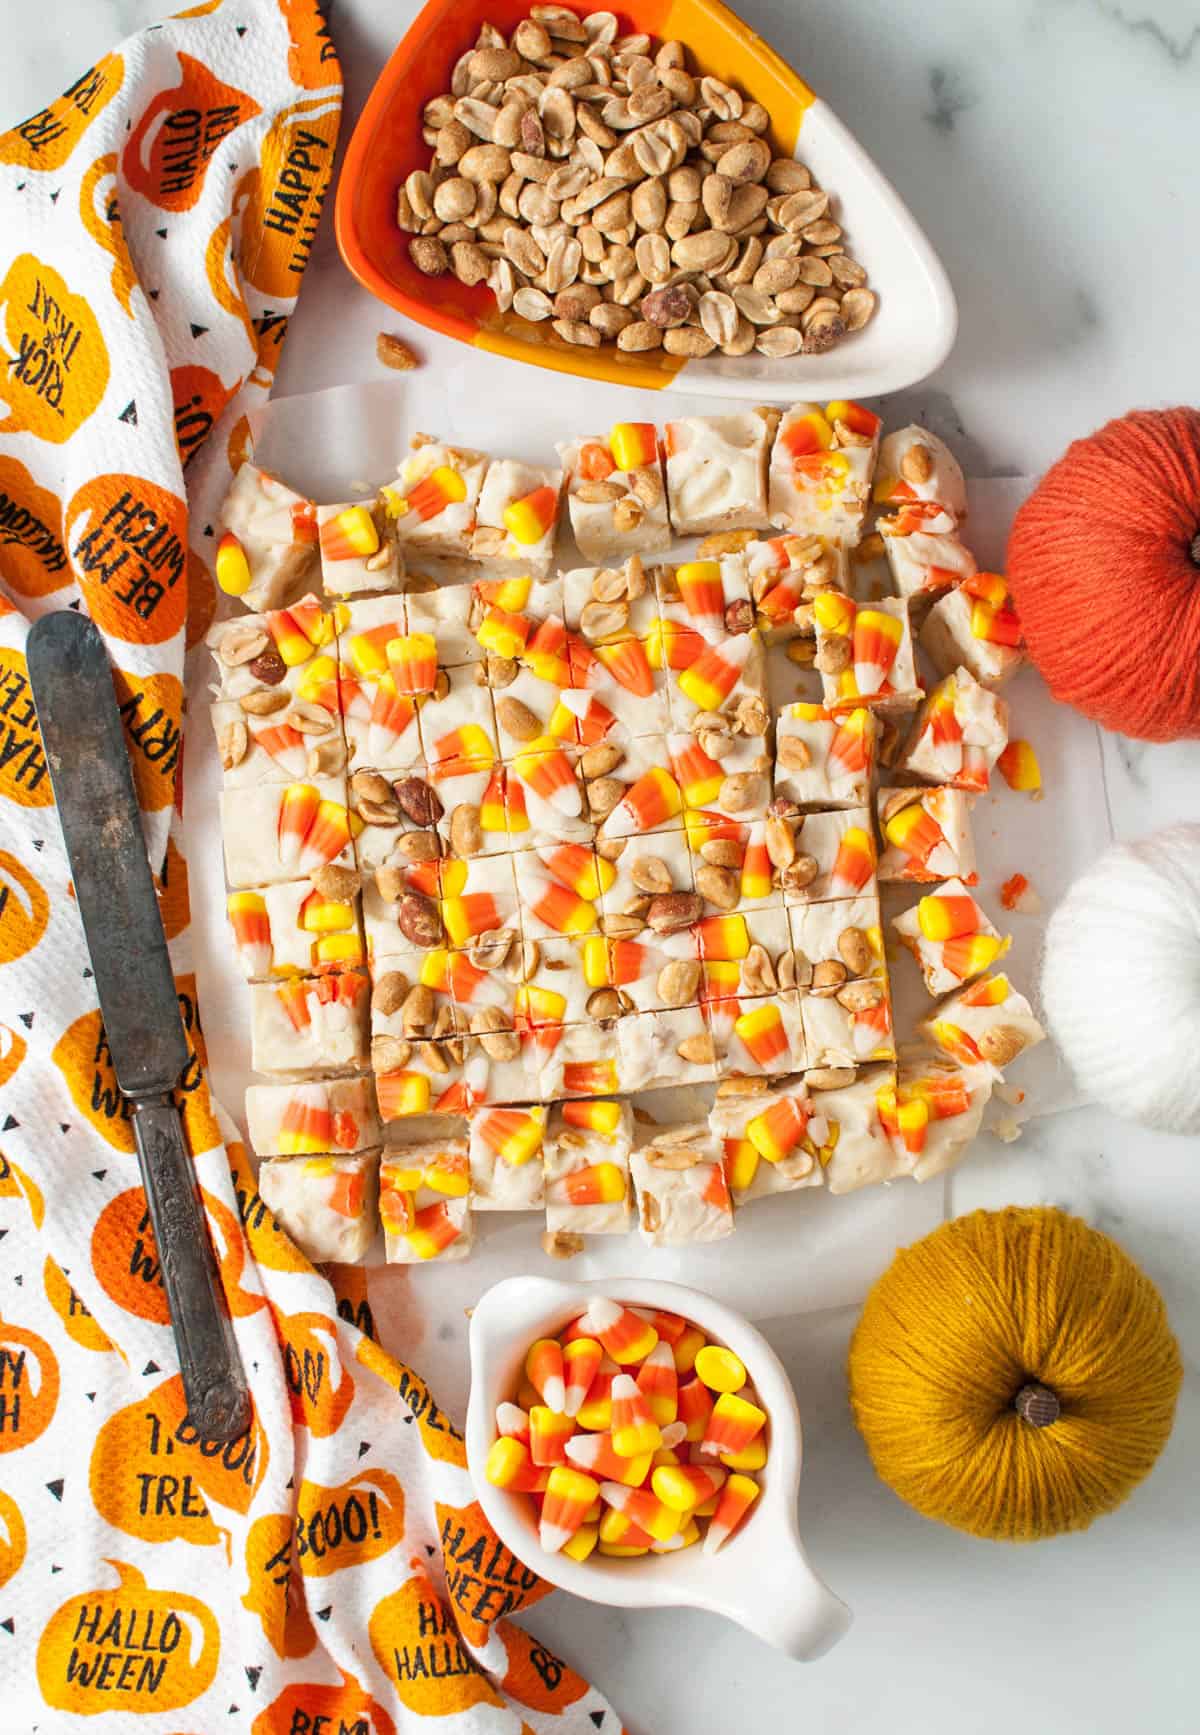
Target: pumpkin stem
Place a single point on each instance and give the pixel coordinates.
(1037, 1405)
(1194, 549)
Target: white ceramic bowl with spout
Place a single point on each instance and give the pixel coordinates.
(760, 1578)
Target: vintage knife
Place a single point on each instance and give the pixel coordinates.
(98, 811)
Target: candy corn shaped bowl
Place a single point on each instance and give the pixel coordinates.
(913, 326)
(760, 1578)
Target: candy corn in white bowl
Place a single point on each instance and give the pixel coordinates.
(745, 1559)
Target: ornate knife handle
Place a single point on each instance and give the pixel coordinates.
(214, 1381)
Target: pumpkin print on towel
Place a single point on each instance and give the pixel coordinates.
(329, 1569)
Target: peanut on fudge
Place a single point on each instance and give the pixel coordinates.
(914, 465)
(682, 1194)
(587, 1168)
(950, 937)
(987, 1021)
(785, 574)
(824, 758)
(822, 462)
(327, 1204)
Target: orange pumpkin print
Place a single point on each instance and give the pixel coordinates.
(312, 58)
(316, 1709)
(131, 1648)
(81, 1054)
(280, 200)
(13, 1049)
(199, 395)
(172, 888)
(270, 1246)
(320, 1387)
(100, 214)
(78, 1319)
(275, 1590)
(56, 361)
(125, 1258)
(152, 1476)
(24, 777)
(230, 1247)
(46, 139)
(24, 909)
(201, 599)
(357, 1521)
(220, 269)
(12, 1538)
(127, 539)
(441, 1438)
(151, 708)
(15, 1183)
(179, 132)
(28, 1386)
(417, 1645)
(535, 1676)
(31, 548)
(484, 1580)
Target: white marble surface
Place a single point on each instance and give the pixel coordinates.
(1047, 146)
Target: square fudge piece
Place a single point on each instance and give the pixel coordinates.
(329, 1205)
(740, 952)
(723, 774)
(471, 810)
(727, 680)
(763, 1126)
(268, 749)
(926, 835)
(527, 708)
(312, 1117)
(606, 605)
(560, 976)
(294, 929)
(424, 1201)
(850, 1024)
(439, 1078)
(587, 1168)
(923, 565)
(950, 937)
(309, 1024)
(758, 1038)
(932, 1113)
(682, 1195)
(785, 573)
(865, 652)
(615, 494)
(457, 724)
(434, 500)
(517, 516)
(519, 616)
(560, 889)
(618, 692)
(580, 1060)
(358, 553)
(448, 614)
(283, 831)
(271, 655)
(824, 758)
(717, 471)
(706, 597)
(856, 1150)
(544, 797)
(988, 1021)
(957, 735)
(268, 553)
(835, 858)
(477, 897)
(384, 672)
(638, 795)
(914, 465)
(975, 627)
(658, 1049)
(634, 871)
(731, 864)
(822, 463)
(505, 1150)
(836, 943)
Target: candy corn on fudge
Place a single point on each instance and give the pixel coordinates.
(822, 462)
(832, 855)
(267, 552)
(268, 658)
(450, 615)
(616, 497)
(717, 471)
(856, 1150)
(433, 502)
(517, 515)
(312, 1116)
(708, 597)
(926, 835)
(721, 772)
(726, 679)
(457, 723)
(755, 1038)
(824, 758)
(544, 795)
(976, 627)
(424, 1201)
(309, 1024)
(384, 674)
(950, 937)
(914, 465)
(923, 564)
(932, 1113)
(987, 1021)
(300, 927)
(587, 1168)
(560, 888)
(283, 831)
(327, 1204)
(785, 573)
(771, 1133)
(505, 1151)
(865, 652)
(638, 795)
(578, 1060)
(957, 735)
(358, 551)
(682, 1194)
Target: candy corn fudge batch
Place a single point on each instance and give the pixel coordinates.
(631, 1434)
(510, 840)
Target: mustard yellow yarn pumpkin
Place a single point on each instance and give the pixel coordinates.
(1014, 1374)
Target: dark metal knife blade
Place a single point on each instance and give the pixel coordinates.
(102, 827)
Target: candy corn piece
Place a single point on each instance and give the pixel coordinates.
(512, 1423)
(1019, 767)
(720, 1369)
(669, 1326)
(515, 1134)
(854, 416)
(733, 1424)
(402, 1093)
(698, 775)
(594, 1184)
(695, 1408)
(757, 874)
(634, 1429)
(628, 664)
(684, 1538)
(658, 1383)
(465, 918)
(529, 519)
(702, 593)
(682, 1487)
(753, 1457)
(854, 863)
(876, 640)
(741, 1161)
(349, 535)
(460, 751)
(779, 1129)
(297, 812)
(604, 1118)
(763, 1033)
(643, 1508)
(307, 1123)
(620, 1536)
(326, 837)
(914, 832)
(672, 645)
(808, 434)
(502, 633)
(633, 445)
(569, 1494)
(549, 1431)
(433, 1230)
(969, 955)
(851, 750)
(583, 1543)
(596, 1454)
(650, 802)
(686, 1348)
(596, 462)
(433, 493)
(581, 1363)
(595, 1413)
(232, 567)
(412, 660)
(625, 1337)
(736, 1498)
(562, 909)
(508, 1465)
(550, 774)
(709, 681)
(251, 931)
(544, 1368)
(834, 613)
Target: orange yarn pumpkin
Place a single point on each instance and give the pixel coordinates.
(1104, 567)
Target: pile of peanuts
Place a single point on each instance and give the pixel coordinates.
(632, 1434)
(589, 179)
